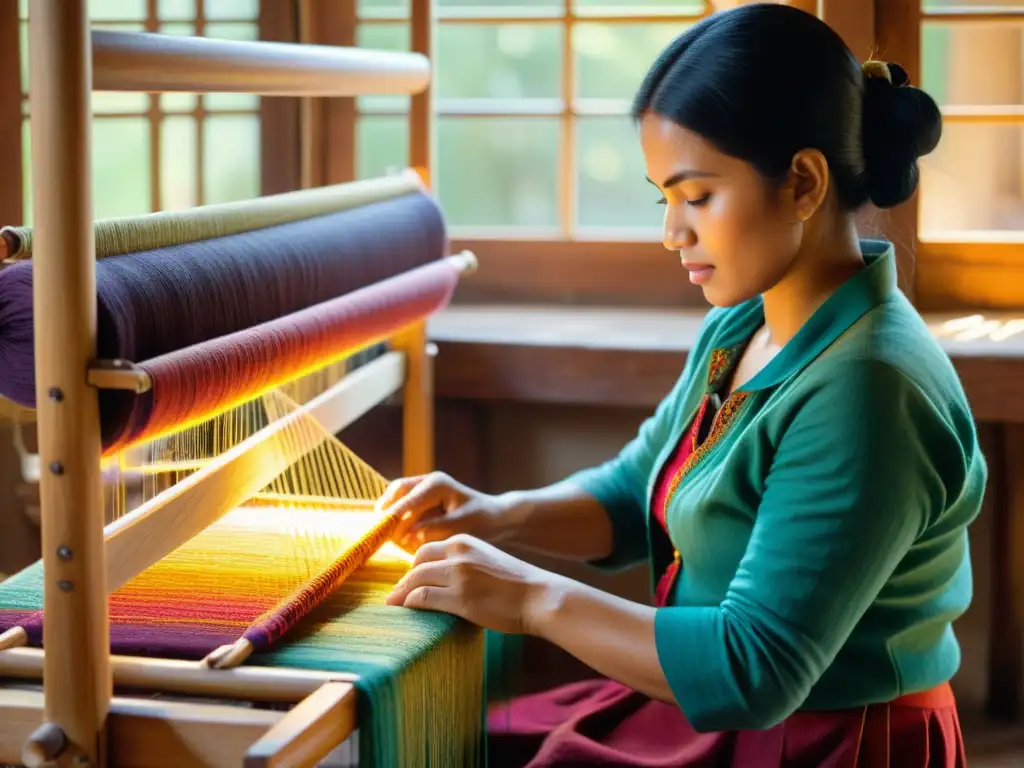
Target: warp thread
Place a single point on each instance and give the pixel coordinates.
(421, 679)
(272, 625)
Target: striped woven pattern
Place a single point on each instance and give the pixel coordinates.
(421, 673)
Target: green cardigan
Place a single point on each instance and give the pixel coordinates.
(822, 524)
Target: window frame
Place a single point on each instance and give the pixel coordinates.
(982, 269)
(275, 21)
(976, 270)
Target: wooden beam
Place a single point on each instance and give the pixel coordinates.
(898, 39)
(631, 358)
(279, 118)
(854, 20)
(11, 203)
(143, 732)
(157, 528)
(149, 675)
(309, 732)
(138, 61)
(417, 401)
(421, 109)
(77, 674)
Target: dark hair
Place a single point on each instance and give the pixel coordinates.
(763, 81)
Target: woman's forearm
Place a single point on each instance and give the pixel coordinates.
(613, 636)
(560, 520)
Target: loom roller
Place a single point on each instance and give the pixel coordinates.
(428, 286)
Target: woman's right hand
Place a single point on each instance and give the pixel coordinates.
(434, 507)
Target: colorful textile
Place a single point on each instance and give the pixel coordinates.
(421, 673)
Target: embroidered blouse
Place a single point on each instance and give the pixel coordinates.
(821, 524)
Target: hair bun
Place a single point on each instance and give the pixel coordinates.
(901, 124)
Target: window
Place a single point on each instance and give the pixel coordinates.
(972, 63)
(166, 151)
(531, 96)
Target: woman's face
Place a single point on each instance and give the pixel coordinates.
(736, 235)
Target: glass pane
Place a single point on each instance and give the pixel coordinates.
(114, 102)
(974, 180)
(179, 28)
(953, 55)
(231, 9)
(371, 8)
(509, 61)
(121, 167)
(382, 145)
(231, 158)
(612, 190)
(217, 101)
(111, 10)
(176, 10)
(612, 59)
(383, 37)
(498, 172)
(638, 7)
(178, 163)
(121, 170)
(490, 6)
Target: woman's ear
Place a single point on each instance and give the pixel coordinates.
(807, 184)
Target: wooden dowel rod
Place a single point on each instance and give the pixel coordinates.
(77, 674)
(119, 374)
(417, 401)
(466, 261)
(309, 732)
(141, 61)
(158, 734)
(190, 678)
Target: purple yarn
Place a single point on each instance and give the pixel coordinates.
(17, 355)
(153, 302)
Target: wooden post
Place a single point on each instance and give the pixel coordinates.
(76, 674)
(417, 401)
(421, 109)
(418, 394)
(898, 39)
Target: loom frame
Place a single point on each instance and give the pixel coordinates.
(76, 720)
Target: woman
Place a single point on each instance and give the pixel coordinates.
(804, 491)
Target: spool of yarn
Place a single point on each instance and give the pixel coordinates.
(208, 378)
(154, 302)
(162, 228)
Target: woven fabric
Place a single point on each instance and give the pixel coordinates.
(421, 673)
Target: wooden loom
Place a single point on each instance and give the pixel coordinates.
(76, 720)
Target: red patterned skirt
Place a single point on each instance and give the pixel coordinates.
(603, 723)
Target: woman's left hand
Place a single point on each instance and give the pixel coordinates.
(469, 578)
